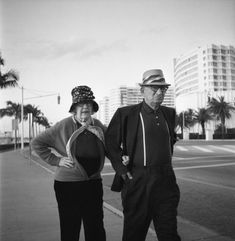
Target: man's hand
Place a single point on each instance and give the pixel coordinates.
(127, 175)
(126, 160)
(66, 162)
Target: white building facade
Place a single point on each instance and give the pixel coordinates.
(205, 72)
(103, 113)
(124, 96)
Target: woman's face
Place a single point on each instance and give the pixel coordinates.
(83, 111)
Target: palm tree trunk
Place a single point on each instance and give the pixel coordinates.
(223, 126)
(203, 128)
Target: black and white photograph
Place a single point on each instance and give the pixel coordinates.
(117, 120)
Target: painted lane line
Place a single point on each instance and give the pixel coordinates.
(181, 148)
(206, 183)
(223, 148)
(230, 147)
(199, 158)
(107, 164)
(203, 149)
(205, 166)
(108, 174)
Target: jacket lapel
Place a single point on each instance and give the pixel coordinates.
(132, 128)
(166, 114)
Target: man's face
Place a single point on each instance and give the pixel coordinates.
(154, 94)
(83, 111)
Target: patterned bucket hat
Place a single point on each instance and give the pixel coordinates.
(83, 94)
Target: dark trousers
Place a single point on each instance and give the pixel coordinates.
(80, 202)
(152, 195)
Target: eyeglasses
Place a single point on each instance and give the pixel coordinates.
(155, 89)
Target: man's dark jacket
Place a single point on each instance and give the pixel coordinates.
(121, 135)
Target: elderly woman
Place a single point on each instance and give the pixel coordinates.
(79, 141)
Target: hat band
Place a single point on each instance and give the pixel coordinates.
(154, 81)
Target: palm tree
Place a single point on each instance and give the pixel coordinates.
(8, 79)
(185, 119)
(35, 114)
(42, 120)
(12, 109)
(202, 116)
(222, 111)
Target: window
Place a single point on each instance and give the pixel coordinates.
(214, 57)
(214, 51)
(223, 51)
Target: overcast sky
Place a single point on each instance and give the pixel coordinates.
(56, 45)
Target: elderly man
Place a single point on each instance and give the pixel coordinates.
(139, 142)
(79, 141)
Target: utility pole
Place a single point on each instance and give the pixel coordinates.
(22, 111)
(22, 118)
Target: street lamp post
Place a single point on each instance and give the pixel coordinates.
(22, 118)
(22, 111)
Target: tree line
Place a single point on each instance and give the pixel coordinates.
(10, 79)
(217, 109)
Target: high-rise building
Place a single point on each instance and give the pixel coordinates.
(103, 113)
(169, 99)
(123, 96)
(204, 72)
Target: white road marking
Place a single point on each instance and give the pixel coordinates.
(202, 149)
(223, 148)
(206, 183)
(181, 148)
(203, 166)
(230, 147)
(107, 164)
(108, 174)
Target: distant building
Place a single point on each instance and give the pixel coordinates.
(169, 99)
(124, 96)
(103, 113)
(203, 73)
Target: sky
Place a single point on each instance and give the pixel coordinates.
(56, 45)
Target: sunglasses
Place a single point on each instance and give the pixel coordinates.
(155, 89)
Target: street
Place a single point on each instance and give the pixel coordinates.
(204, 170)
(205, 173)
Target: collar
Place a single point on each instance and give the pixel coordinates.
(148, 109)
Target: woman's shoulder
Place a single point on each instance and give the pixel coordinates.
(99, 124)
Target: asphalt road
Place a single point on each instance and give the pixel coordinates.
(206, 175)
(205, 172)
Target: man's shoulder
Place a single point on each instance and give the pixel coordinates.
(167, 108)
(127, 109)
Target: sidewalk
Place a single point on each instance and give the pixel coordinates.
(28, 209)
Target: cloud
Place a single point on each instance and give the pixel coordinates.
(155, 30)
(79, 48)
(116, 46)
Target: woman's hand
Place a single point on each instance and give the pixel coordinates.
(66, 162)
